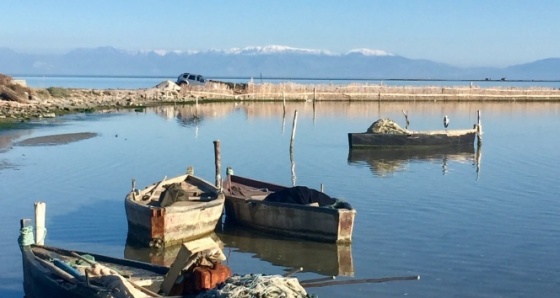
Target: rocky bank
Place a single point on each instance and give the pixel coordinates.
(19, 102)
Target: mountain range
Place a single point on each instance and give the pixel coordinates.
(267, 61)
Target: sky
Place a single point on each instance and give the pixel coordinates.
(466, 33)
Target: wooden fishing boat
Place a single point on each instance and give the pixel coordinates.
(173, 210)
(265, 206)
(57, 272)
(384, 133)
(436, 138)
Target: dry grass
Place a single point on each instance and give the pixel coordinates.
(293, 91)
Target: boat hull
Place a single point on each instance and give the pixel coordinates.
(428, 139)
(39, 281)
(301, 221)
(174, 224)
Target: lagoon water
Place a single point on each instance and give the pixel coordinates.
(471, 224)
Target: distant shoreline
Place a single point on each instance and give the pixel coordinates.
(52, 102)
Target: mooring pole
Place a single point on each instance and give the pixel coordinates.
(218, 164)
(293, 164)
(294, 124)
(40, 210)
(479, 129)
(196, 107)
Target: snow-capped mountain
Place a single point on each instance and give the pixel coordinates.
(254, 61)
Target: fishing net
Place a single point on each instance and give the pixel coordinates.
(387, 126)
(258, 285)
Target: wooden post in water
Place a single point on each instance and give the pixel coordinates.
(284, 100)
(218, 164)
(314, 94)
(196, 107)
(293, 164)
(40, 210)
(479, 129)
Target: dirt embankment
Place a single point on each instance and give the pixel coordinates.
(18, 102)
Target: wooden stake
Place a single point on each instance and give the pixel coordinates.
(294, 124)
(218, 164)
(479, 129)
(293, 164)
(40, 210)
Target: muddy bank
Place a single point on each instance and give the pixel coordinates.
(59, 139)
(51, 102)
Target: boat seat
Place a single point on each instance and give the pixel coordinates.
(259, 197)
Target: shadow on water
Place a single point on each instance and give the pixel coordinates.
(327, 259)
(97, 221)
(383, 162)
(163, 256)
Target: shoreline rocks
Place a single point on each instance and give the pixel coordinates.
(18, 102)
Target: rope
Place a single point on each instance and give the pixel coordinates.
(26, 236)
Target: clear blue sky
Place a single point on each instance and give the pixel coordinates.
(457, 32)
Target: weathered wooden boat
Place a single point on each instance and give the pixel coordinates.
(173, 210)
(384, 133)
(57, 272)
(265, 206)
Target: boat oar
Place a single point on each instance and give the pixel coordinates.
(139, 287)
(306, 284)
(59, 272)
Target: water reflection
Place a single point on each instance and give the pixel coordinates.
(163, 256)
(328, 259)
(384, 162)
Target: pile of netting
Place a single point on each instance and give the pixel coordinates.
(387, 126)
(258, 285)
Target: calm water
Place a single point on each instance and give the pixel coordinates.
(471, 224)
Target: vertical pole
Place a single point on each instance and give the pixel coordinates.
(218, 164)
(322, 188)
(294, 124)
(314, 93)
(196, 106)
(284, 100)
(293, 164)
(479, 129)
(40, 209)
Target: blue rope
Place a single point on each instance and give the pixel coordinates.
(26, 236)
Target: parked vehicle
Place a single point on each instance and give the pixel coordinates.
(191, 79)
